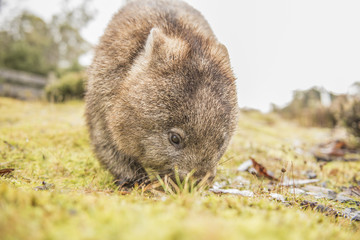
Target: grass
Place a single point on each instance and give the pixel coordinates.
(49, 142)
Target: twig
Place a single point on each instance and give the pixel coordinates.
(6, 171)
(12, 147)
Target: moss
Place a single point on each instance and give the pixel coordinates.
(49, 142)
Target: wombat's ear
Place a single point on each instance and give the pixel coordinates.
(163, 47)
(224, 50)
(222, 53)
(155, 39)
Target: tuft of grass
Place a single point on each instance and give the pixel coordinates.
(181, 187)
(47, 145)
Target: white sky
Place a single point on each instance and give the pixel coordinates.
(275, 46)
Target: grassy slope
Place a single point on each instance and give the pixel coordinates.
(49, 143)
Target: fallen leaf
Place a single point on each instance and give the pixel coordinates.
(261, 170)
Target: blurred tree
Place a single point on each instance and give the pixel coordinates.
(30, 44)
(66, 28)
(27, 45)
(351, 117)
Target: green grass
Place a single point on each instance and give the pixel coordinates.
(49, 142)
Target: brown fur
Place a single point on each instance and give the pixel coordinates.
(157, 69)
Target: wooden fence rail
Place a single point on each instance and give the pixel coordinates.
(21, 85)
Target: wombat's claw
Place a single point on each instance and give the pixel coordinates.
(128, 184)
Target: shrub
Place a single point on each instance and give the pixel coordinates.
(70, 86)
(351, 117)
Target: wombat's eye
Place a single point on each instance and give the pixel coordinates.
(174, 139)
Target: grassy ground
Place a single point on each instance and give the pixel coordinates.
(47, 142)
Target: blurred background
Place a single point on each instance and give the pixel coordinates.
(300, 59)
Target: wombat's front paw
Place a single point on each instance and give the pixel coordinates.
(126, 183)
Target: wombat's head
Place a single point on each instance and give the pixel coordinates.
(177, 106)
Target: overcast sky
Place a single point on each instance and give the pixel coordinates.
(275, 46)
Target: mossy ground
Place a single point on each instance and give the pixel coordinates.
(49, 142)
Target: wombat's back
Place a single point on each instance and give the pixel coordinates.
(128, 30)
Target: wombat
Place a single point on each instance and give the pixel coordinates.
(161, 94)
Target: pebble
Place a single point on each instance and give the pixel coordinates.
(218, 185)
(277, 197)
(321, 208)
(44, 186)
(310, 174)
(241, 180)
(297, 182)
(320, 192)
(244, 193)
(297, 191)
(343, 199)
(245, 166)
(352, 213)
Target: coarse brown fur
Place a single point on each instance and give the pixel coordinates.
(159, 71)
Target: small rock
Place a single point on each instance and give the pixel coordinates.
(44, 186)
(310, 174)
(352, 213)
(353, 191)
(296, 191)
(218, 185)
(72, 212)
(325, 192)
(277, 197)
(312, 188)
(324, 184)
(321, 208)
(317, 195)
(297, 182)
(252, 171)
(305, 204)
(245, 166)
(241, 180)
(343, 199)
(244, 193)
(348, 211)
